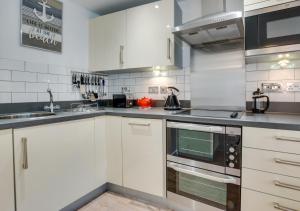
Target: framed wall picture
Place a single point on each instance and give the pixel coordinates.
(41, 24)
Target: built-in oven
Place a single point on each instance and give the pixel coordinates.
(273, 29)
(203, 166)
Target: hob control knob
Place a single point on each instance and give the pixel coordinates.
(231, 149)
(231, 157)
(231, 165)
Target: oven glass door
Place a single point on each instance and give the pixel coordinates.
(196, 142)
(213, 189)
(279, 27)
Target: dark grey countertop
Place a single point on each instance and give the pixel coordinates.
(275, 121)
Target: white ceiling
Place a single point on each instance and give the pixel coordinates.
(108, 6)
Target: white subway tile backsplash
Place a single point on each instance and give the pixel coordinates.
(251, 67)
(36, 87)
(180, 80)
(24, 76)
(282, 97)
(288, 74)
(59, 70)
(44, 97)
(9, 86)
(65, 79)
(47, 78)
(24, 97)
(257, 75)
(5, 97)
(5, 75)
(8, 64)
(297, 74)
(36, 67)
(60, 88)
(251, 86)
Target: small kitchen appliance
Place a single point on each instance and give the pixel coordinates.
(172, 103)
(121, 101)
(204, 166)
(273, 29)
(145, 102)
(261, 102)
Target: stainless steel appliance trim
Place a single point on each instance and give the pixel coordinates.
(272, 50)
(287, 162)
(272, 8)
(285, 185)
(283, 208)
(234, 172)
(197, 127)
(24, 153)
(189, 204)
(284, 138)
(197, 164)
(234, 131)
(209, 175)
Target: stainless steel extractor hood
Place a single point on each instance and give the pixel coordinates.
(221, 28)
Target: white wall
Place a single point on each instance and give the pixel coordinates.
(75, 36)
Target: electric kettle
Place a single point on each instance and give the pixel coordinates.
(261, 102)
(172, 102)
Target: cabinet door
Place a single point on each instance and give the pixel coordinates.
(100, 150)
(149, 41)
(143, 155)
(107, 41)
(6, 171)
(114, 150)
(61, 164)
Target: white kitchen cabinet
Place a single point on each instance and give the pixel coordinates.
(144, 155)
(259, 4)
(256, 201)
(140, 37)
(114, 150)
(7, 202)
(148, 37)
(107, 41)
(100, 150)
(61, 164)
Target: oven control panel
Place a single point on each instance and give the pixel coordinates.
(233, 149)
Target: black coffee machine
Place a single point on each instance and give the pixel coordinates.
(172, 103)
(261, 102)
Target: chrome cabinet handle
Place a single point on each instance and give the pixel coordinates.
(168, 48)
(285, 185)
(287, 162)
(203, 174)
(140, 124)
(283, 138)
(121, 54)
(280, 207)
(24, 153)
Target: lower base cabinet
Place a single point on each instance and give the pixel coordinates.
(54, 165)
(143, 155)
(252, 200)
(7, 201)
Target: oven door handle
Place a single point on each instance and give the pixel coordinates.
(204, 174)
(197, 127)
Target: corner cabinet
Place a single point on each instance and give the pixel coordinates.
(139, 37)
(143, 155)
(7, 200)
(54, 164)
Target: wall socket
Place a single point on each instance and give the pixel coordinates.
(163, 90)
(293, 87)
(271, 87)
(153, 89)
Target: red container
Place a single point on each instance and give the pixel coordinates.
(145, 102)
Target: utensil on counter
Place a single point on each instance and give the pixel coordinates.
(145, 102)
(172, 103)
(261, 102)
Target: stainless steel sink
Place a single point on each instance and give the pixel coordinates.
(25, 115)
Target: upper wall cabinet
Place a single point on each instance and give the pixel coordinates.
(107, 42)
(140, 37)
(259, 4)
